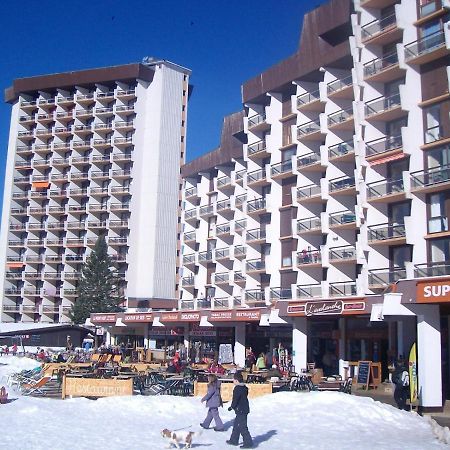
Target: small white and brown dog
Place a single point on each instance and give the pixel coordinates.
(179, 437)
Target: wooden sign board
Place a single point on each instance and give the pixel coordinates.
(96, 387)
(375, 375)
(363, 376)
(226, 390)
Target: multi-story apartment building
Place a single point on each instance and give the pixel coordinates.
(322, 220)
(92, 152)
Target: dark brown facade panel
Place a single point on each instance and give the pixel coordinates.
(78, 78)
(434, 79)
(314, 51)
(230, 148)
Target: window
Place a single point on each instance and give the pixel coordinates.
(439, 157)
(433, 131)
(440, 250)
(438, 220)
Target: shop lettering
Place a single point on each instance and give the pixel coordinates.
(436, 291)
(354, 306)
(104, 318)
(255, 315)
(138, 318)
(221, 315)
(323, 308)
(169, 317)
(190, 316)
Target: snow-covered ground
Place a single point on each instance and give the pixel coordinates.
(288, 420)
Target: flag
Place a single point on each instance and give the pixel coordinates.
(412, 365)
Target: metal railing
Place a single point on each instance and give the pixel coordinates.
(256, 120)
(222, 253)
(382, 104)
(205, 256)
(280, 293)
(385, 231)
(189, 259)
(190, 214)
(312, 223)
(385, 187)
(384, 277)
(424, 45)
(378, 65)
(240, 225)
(254, 295)
(188, 281)
(220, 278)
(281, 168)
(309, 257)
(223, 205)
(308, 97)
(257, 175)
(340, 116)
(240, 251)
(255, 265)
(257, 147)
(342, 183)
(256, 234)
(430, 177)
(377, 26)
(383, 145)
(308, 128)
(223, 181)
(189, 236)
(341, 149)
(307, 160)
(238, 277)
(207, 209)
(240, 175)
(256, 205)
(342, 218)
(309, 291)
(347, 252)
(343, 289)
(223, 229)
(337, 85)
(240, 200)
(308, 191)
(432, 269)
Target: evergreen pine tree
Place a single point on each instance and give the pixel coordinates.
(98, 290)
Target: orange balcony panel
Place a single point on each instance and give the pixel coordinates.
(15, 265)
(40, 184)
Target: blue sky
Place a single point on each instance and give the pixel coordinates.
(223, 42)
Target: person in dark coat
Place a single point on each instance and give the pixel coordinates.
(241, 407)
(213, 401)
(400, 378)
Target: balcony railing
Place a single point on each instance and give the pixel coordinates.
(257, 147)
(223, 205)
(340, 116)
(205, 210)
(308, 191)
(223, 181)
(190, 214)
(240, 251)
(432, 269)
(312, 223)
(280, 293)
(342, 183)
(307, 160)
(238, 277)
(256, 120)
(240, 225)
(256, 176)
(281, 168)
(223, 229)
(343, 289)
(255, 265)
(378, 65)
(240, 175)
(382, 104)
(347, 252)
(383, 188)
(341, 149)
(308, 128)
(384, 277)
(309, 291)
(258, 204)
(189, 236)
(188, 281)
(254, 295)
(309, 257)
(430, 177)
(383, 145)
(222, 253)
(338, 85)
(342, 218)
(221, 278)
(256, 234)
(205, 256)
(385, 231)
(189, 259)
(377, 26)
(424, 45)
(240, 200)
(308, 97)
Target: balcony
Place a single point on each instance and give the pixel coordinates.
(344, 254)
(385, 146)
(281, 170)
(344, 151)
(307, 291)
(280, 293)
(190, 192)
(240, 252)
(206, 211)
(98, 207)
(257, 150)
(310, 194)
(223, 206)
(431, 180)
(118, 224)
(224, 182)
(120, 206)
(381, 278)
(311, 258)
(383, 69)
(189, 237)
(343, 289)
(256, 206)
(312, 225)
(341, 88)
(341, 120)
(386, 191)
(256, 177)
(80, 225)
(343, 220)
(188, 281)
(255, 297)
(342, 186)
(223, 230)
(70, 292)
(240, 225)
(129, 93)
(386, 234)
(221, 278)
(426, 49)
(258, 235)
(255, 266)
(190, 214)
(205, 256)
(381, 31)
(258, 122)
(239, 278)
(189, 260)
(432, 269)
(240, 175)
(125, 109)
(309, 162)
(222, 253)
(309, 101)
(384, 108)
(309, 131)
(122, 125)
(239, 201)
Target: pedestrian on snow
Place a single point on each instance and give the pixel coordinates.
(213, 400)
(400, 378)
(241, 407)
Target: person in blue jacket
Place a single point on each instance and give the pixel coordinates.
(241, 407)
(213, 400)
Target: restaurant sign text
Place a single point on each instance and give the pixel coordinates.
(433, 291)
(326, 308)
